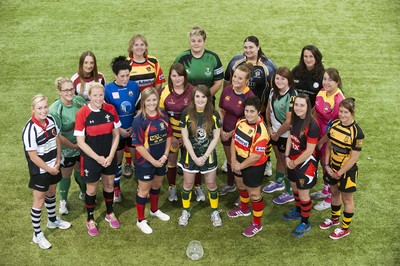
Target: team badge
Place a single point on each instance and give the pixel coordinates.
(107, 117)
(227, 98)
(282, 106)
(315, 85)
(208, 72)
(240, 103)
(162, 126)
(185, 101)
(130, 93)
(148, 69)
(346, 139)
(250, 131)
(257, 73)
(359, 143)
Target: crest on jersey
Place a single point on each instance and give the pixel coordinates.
(208, 72)
(162, 126)
(107, 117)
(148, 69)
(316, 85)
(257, 73)
(130, 93)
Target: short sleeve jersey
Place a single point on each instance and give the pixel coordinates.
(344, 139)
(174, 104)
(125, 100)
(97, 127)
(251, 139)
(41, 139)
(327, 108)
(261, 75)
(65, 120)
(233, 104)
(76, 80)
(279, 107)
(307, 83)
(146, 74)
(299, 143)
(152, 134)
(202, 139)
(204, 70)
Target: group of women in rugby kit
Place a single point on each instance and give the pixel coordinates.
(302, 114)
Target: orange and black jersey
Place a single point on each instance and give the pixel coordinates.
(344, 139)
(249, 139)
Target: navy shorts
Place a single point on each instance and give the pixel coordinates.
(91, 170)
(42, 182)
(148, 173)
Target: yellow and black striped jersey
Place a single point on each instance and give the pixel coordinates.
(344, 139)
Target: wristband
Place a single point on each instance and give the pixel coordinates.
(327, 165)
(286, 156)
(165, 156)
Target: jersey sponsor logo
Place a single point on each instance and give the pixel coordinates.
(159, 138)
(316, 85)
(260, 149)
(297, 81)
(115, 95)
(126, 107)
(161, 77)
(145, 82)
(241, 141)
(146, 177)
(91, 121)
(359, 143)
(208, 72)
(201, 134)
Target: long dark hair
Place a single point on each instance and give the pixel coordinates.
(255, 40)
(286, 73)
(94, 74)
(208, 120)
(180, 69)
(334, 75)
(318, 70)
(308, 117)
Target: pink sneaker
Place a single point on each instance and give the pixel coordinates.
(252, 230)
(92, 229)
(339, 233)
(237, 212)
(328, 223)
(114, 223)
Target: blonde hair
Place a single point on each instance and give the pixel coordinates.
(37, 99)
(146, 93)
(94, 85)
(60, 81)
(197, 31)
(132, 42)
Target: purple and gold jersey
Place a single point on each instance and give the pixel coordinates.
(233, 104)
(174, 104)
(152, 134)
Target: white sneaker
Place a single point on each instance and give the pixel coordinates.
(63, 207)
(268, 169)
(160, 215)
(58, 224)
(41, 240)
(117, 196)
(144, 227)
(81, 196)
(318, 195)
(200, 196)
(224, 166)
(322, 205)
(172, 194)
(183, 220)
(216, 219)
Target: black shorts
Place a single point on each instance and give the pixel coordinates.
(123, 142)
(253, 175)
(42, 182)
(280, 143)
(148, 173)
(305, 174)
(91, 170)
(188, 165)
(69, 162)
(347, 182)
